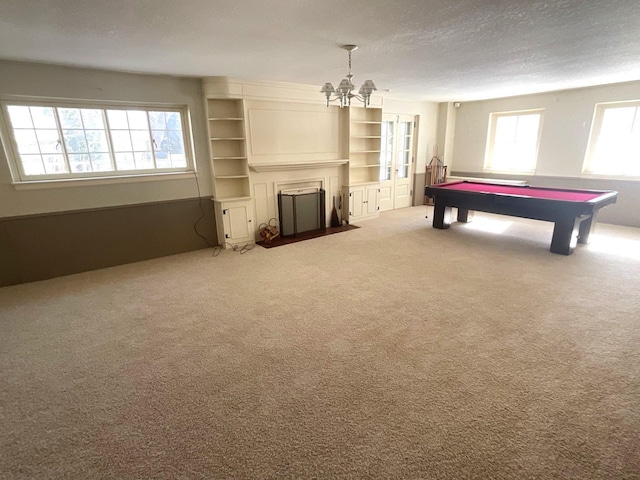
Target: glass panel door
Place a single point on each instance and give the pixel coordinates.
(396, 161)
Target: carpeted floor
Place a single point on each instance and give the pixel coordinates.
(389, 351)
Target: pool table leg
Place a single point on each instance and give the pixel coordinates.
(565, 235)
(587, 226)
(441, 215)
(465, 215)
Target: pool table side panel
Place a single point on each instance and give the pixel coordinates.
(525, 207)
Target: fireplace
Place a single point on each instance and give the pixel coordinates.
(301, 211)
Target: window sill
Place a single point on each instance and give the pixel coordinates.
(509, 172)
(85, 182)
(606, 176)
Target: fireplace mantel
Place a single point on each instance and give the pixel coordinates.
(272, 167)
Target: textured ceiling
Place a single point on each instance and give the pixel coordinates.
(439, 50)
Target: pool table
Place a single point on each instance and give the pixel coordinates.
(572, 211)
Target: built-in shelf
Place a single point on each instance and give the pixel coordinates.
(365, 137)
(270, 167)
(228, 149)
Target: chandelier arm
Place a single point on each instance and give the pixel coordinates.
(344, 91)
(338, 97)
(345, 99)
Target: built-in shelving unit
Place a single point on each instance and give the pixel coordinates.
(231, 185)
(228, 149)
(365, 135)
(264, 137)
(361, 192)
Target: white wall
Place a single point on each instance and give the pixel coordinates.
(27, 79)
(563, 143)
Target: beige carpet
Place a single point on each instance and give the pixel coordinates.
(390, 351)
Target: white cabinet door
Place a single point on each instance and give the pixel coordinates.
(363, 202)
(236, 221)
(356, 202)
(371, 207)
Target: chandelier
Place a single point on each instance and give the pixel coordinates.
(345, 89)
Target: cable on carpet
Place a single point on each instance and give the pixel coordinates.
(242, 249)
(202, 214)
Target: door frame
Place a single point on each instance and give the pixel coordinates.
(388, 188)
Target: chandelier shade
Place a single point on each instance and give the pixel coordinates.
(344, 92)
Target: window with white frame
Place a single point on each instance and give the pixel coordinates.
(512, 141)
(49, 141)
(614, 143)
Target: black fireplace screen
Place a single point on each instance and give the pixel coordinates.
(303, 212)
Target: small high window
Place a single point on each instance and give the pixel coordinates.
(55, 141)
(512, 141)
(614, 143)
